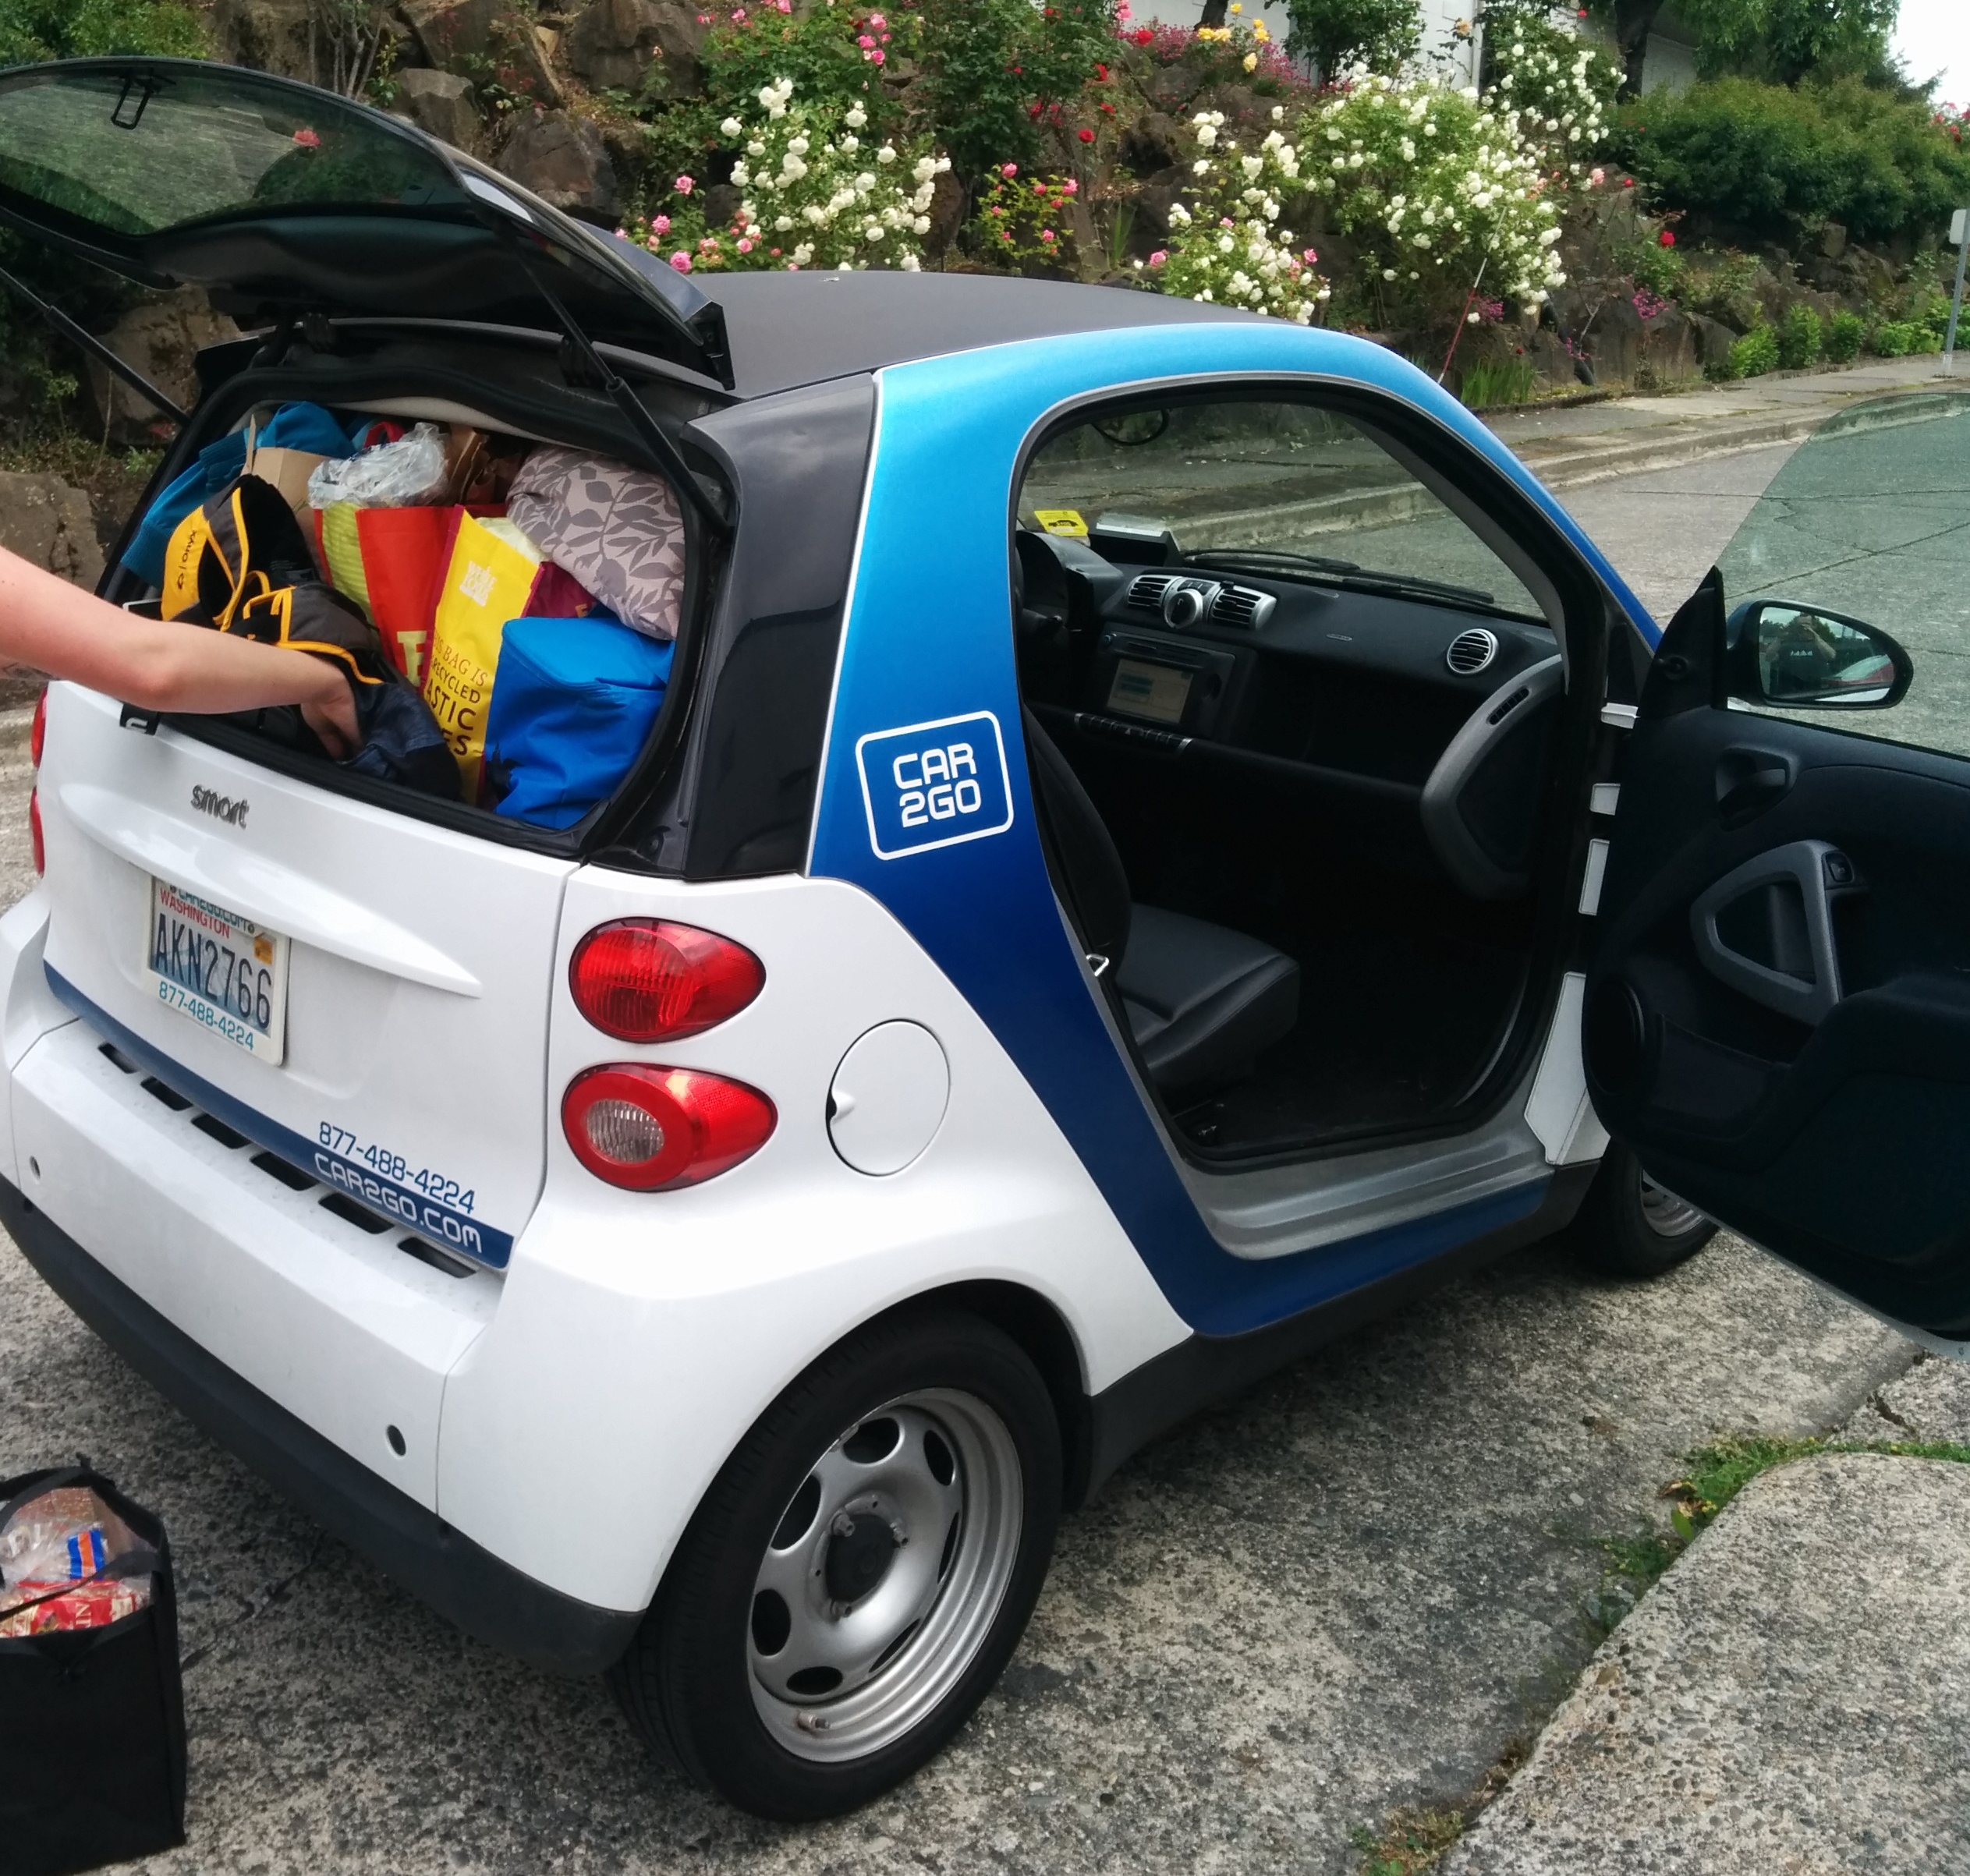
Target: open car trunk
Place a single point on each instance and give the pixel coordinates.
(343, 979)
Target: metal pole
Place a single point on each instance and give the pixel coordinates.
(1960, 230)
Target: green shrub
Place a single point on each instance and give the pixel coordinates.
(1773, 159)
(1800, 337)
(1493, 382)
(1844, 333)
(31, 30)
(1898, 337)
(1753, 355)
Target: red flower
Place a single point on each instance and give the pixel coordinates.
(1143, 36)
(1666, 238)
(1085, 135)
(1109, 109)
(1100, 73)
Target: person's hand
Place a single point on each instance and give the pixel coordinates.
(332, 715)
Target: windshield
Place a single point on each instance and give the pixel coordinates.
(1870, 518)
(1271, 486)
(141, 150)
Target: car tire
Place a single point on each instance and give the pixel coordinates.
(858, 1574)
(1630, 1227)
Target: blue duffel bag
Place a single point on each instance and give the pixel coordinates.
(573, 703)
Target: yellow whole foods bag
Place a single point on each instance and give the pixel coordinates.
(490, 575)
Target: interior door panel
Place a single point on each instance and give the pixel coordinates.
(1778, 1012)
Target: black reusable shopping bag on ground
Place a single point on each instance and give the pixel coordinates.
(92, 1721)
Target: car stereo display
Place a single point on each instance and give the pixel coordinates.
(1158, 691)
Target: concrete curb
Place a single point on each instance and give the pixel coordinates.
(1559, 467)
(1792, 1696)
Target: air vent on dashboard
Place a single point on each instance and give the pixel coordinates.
(1146, 591)
(1470, 651)
(1242, 608)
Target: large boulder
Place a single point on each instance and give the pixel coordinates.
(50, 524)
(651, 46)
(440, 103)
(481, 34)
(160, 340)
(268, 35)
(563, 160)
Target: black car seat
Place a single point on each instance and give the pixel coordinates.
(1202, 1001)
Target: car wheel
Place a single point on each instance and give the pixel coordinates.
(1631, 1227)
(858, 1574)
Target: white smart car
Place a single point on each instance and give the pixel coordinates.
(1149, 802)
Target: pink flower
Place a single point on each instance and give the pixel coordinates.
(864, 41)
(1008, 170)
(1157, 259)
(783, 6)
(1309, 257)
(682, 261)
(660, 224)
(879, 55)
(308, 140)
(1046, 234)
(745, 245)
(1598, 177)
(684, 185)
(877, 21)
(738, 15)
(709, 245)
(1070, 187)
(622, 234)
(1224, 221)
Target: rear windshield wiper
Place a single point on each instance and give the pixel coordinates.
(1344, 573)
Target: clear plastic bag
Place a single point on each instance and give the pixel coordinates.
(400, 475)
(55, 1553)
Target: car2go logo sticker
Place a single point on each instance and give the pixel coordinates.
(934, 784)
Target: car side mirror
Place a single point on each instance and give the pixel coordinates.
(1799, 657)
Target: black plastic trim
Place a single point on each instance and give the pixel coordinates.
(466, 1584)
(1205, 1370)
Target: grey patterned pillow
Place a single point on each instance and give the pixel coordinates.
(616, 529)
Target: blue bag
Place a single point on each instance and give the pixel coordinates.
(573, 703)
(305, 426)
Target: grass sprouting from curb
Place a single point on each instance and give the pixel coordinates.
(1415, 1837)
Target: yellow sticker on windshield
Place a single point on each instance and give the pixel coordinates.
(1062, 521)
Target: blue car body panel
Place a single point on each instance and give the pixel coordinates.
(925, 798)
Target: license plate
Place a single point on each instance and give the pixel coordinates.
(223, 971)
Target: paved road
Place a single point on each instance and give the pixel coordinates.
(1349, 1591)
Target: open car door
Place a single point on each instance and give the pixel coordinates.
(1778, 1011)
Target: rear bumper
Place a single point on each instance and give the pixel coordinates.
(465, 1584)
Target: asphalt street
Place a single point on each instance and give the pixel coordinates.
(1352, 1590)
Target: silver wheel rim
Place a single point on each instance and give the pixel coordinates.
(1664, 1213)
(890, 1564)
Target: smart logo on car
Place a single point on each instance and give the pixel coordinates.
(934, 784)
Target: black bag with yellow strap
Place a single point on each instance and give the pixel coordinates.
(240, 564)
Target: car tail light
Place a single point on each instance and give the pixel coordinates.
(646, 1128)
(37, 736)
(647, 980)
(34, 829)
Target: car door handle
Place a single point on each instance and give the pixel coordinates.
(1767, 928)
(1748, 781)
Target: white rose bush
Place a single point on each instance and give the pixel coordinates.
(1229, 248)
(1439, 192)
(815, 193)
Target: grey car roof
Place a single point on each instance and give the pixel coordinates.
(786, 329)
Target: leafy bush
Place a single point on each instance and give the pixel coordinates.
(1021, 220)
(1493, 382)
(1751, 356)
(1562, 90)
(1844, 333)
(1335, 34)
(1435, 189)
(996, 72)
(816, 194)
(820, 50)
(1777, 160)
(1799, 338)
(31, 30)
(1230, 248)
(1898, 337)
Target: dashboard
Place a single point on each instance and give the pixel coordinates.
(1432, 707)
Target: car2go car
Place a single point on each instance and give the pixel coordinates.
(1149, 801)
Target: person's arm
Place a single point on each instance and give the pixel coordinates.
(53, 627)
